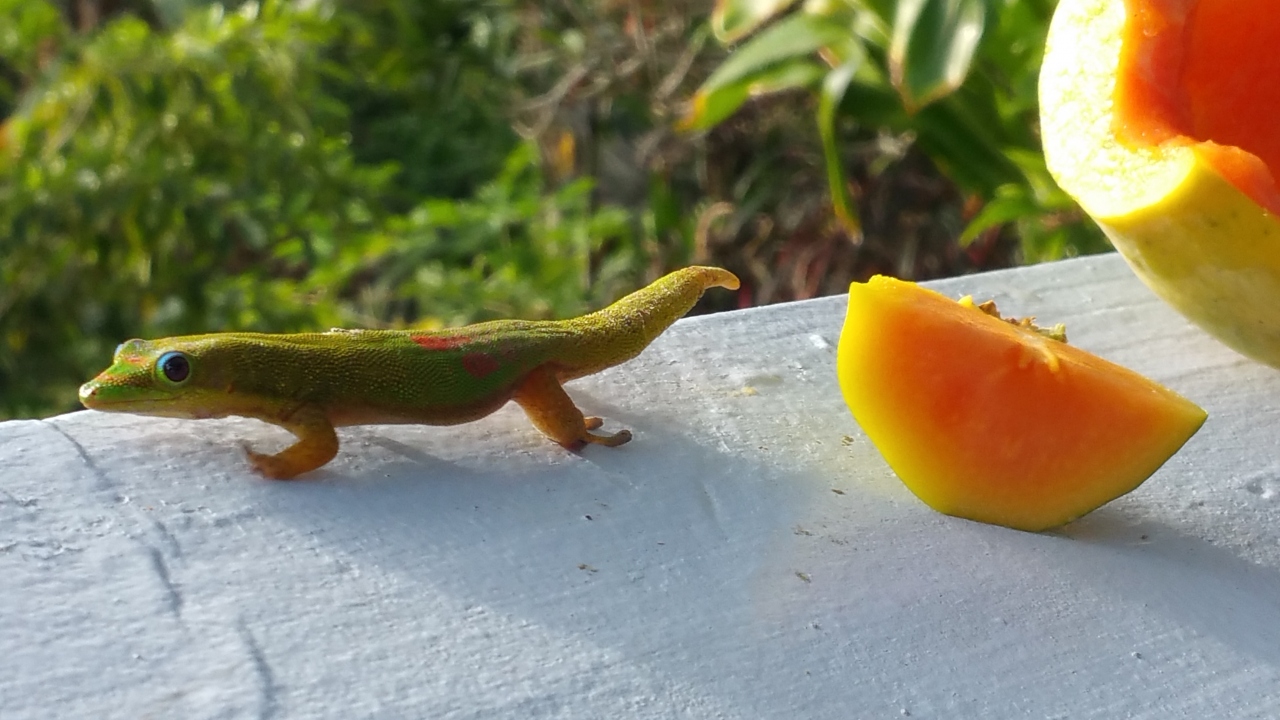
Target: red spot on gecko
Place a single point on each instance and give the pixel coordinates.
(439, 342)
(480, 365)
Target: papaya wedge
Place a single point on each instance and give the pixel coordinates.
(998, 420)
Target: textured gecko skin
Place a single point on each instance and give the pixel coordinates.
(310, 383)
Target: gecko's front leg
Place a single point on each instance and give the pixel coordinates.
(317, 444)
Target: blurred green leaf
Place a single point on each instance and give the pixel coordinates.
(833, 90)
(711, 107)
(964, 147)
(732, 20)
(932, 47)
(882, 9)
(1010, 203)
(777, 58)
(30, 33)
(793, 37)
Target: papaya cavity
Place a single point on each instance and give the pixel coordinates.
(1203, 73)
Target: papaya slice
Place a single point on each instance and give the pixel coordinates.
(997, 420)
(1159, 118)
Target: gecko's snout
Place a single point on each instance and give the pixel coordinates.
(88, 393)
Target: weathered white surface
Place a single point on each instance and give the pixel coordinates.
(739, 559)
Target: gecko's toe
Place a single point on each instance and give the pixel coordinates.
(270, 466)
(612, 440)
(589, 438)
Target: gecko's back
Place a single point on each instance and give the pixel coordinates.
(366, 376)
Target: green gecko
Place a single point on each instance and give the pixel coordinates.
(310, 383)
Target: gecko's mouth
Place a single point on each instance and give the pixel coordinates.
(97, 395)
(107, 397)
(92, 399)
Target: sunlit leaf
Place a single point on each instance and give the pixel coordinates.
(710, 108)
(932, 47)
(792, 37)
(732, 20)
(776, 59)
(833, 89)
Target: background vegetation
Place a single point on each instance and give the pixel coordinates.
(176, 166)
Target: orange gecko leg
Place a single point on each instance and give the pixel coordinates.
(552, 411)
(317, 444)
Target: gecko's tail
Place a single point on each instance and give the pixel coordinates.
(621, 331)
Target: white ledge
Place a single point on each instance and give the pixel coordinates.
(741, 558)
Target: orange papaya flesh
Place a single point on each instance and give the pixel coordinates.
(989, 419)
(1203, 73)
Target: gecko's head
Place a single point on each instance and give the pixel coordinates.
(162, 377)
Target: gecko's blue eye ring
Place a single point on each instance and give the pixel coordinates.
(175, 367)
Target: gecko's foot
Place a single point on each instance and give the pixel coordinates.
(552, 412)
(271, 466)
(611, 440)
(589, 438)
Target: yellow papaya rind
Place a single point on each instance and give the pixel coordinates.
(1202, 245)
(944, 464)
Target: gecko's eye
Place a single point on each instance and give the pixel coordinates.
(175, 367)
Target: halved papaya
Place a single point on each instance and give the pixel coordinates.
(997, 420)
(1159, 117)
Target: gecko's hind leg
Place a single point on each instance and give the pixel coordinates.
(552, 411)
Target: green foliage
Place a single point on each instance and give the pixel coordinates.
(176, 166)
(143, 167)
(426, 88)
(214, 176)
(518, 248)
(956, 76)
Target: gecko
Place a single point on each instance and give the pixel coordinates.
(312, 383)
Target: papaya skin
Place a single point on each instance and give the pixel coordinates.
(994, 420)
(1132, 130)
